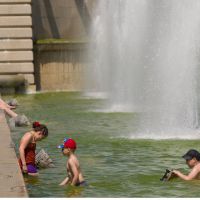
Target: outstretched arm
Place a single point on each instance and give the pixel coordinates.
(65, 181)
(3, 103)
(192, 175)
(75, 173)
(8, 110)
(26, 139)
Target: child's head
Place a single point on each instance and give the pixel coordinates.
(41, 131)
(192, 157)
(69, 146)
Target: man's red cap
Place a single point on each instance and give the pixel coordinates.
(70, 143)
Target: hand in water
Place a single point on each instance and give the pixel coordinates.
(24, 169)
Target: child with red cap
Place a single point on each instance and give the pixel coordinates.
(75, 176)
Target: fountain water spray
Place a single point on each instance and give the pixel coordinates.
(145, 56)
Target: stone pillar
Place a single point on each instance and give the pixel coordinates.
(60, 66)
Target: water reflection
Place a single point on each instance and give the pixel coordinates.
(113, 166)
(72, 191)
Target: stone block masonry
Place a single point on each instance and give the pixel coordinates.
(60, 66)
(16, 46)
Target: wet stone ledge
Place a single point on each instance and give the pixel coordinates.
(11, 180)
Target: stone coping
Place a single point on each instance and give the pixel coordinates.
(60, 46)
(11, 179)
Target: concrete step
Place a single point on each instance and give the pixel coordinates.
(14, 1)
(16, 56)
(16, 44)
(10, 78)
(15, 21)
(15, 68)
(31, 89)
(15, 9)
(12, 81)
(16, 33)
(11, 56)
(30, 78)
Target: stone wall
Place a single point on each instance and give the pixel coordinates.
(11, 179)
(16, 56)
(60, 66)
(68, 19)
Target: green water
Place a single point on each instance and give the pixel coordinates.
(114, 166)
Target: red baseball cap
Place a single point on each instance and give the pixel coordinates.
(70, 143)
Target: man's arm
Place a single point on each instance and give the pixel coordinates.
(192, 175)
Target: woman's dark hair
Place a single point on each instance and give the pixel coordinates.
(40, 127)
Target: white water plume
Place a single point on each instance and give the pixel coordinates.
(145, 55)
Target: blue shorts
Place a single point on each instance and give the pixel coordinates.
(31, 168)
(83, 183)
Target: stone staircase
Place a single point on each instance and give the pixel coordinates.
(16, 46)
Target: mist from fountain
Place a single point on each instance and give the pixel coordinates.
(145, 58)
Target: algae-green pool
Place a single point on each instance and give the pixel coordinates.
(114, 166)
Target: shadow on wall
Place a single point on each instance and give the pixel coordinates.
(40, 29)
(51, 19)
(66, 19)
(84, 14)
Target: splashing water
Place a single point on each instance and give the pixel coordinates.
(145, 56)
